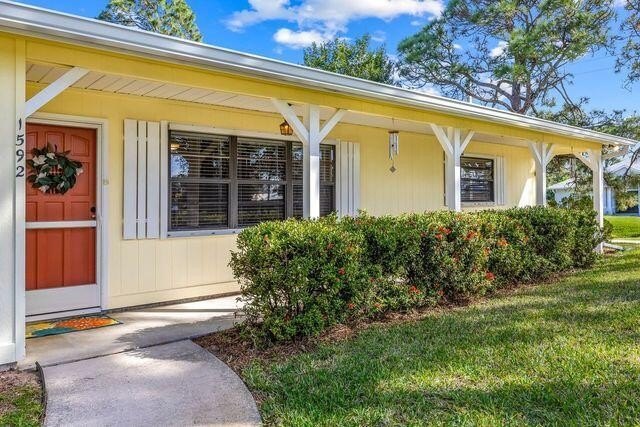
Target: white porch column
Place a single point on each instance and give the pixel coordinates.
(311, 133)
(542, 155)
(453, 141)
(12, 200)
(311, 163)
(593, 160)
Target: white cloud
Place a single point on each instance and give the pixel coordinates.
(499, 49)
(327, 18)
(379, 36)
(299, 39)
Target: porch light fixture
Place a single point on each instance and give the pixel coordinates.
(286, 129)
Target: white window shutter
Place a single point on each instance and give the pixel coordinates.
(153, 180)
(141, 217)
(130, 179)
(348, 172)
(141, 211)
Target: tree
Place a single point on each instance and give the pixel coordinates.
(564, 167)
(629, 57)
(506, 53)
(170, 17)
(354, 59)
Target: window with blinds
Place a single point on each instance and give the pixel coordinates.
(477, 180)
(226, 182)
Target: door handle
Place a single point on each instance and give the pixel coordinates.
(93, 212)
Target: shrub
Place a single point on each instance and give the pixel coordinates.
(452, 261)
(300, 277)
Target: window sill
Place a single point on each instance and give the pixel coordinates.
(201, 233)
(479, 204)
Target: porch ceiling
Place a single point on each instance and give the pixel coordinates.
(126, 85)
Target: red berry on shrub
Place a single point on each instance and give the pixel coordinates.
(341, 272)
(490, 276)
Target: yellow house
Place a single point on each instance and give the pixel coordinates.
(183, 144)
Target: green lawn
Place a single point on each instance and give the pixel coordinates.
(20, 399)
(557, 354)
(625, 227)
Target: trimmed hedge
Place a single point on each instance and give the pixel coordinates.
(300, 277)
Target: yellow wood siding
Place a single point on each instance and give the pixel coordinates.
(148, 271)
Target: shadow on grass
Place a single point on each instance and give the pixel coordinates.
(564, 353)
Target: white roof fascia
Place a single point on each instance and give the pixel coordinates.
(38, 22)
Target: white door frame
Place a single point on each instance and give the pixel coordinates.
(101, 127)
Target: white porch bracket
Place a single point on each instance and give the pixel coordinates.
(453, 141)
(594, 161)
(54, 89)
(542, 155)
(311, 133)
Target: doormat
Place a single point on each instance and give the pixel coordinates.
(57, 327)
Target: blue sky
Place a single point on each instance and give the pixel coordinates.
(279, 29)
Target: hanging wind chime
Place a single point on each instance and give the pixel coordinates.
(394, 147)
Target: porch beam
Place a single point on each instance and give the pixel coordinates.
(311, 133)
(542, 155)
(453, 141)
(54, 89)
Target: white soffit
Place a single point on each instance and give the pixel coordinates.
(125, 85)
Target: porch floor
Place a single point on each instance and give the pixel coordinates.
(139, 329)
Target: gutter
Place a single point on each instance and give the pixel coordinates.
(43, 23)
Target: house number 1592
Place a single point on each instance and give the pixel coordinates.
(20, 150)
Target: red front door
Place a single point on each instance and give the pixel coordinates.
(61, 228)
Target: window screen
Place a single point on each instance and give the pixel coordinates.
(199, 187)
(225, 182)
(477, 179)
(262, 178)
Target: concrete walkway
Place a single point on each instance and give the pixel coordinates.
(626, 241)
(139, 328)
(176, 384)
(144, 372)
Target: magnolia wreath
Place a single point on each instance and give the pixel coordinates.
(53, 171)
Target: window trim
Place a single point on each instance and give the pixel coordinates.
(165, 164)
(498, 187)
